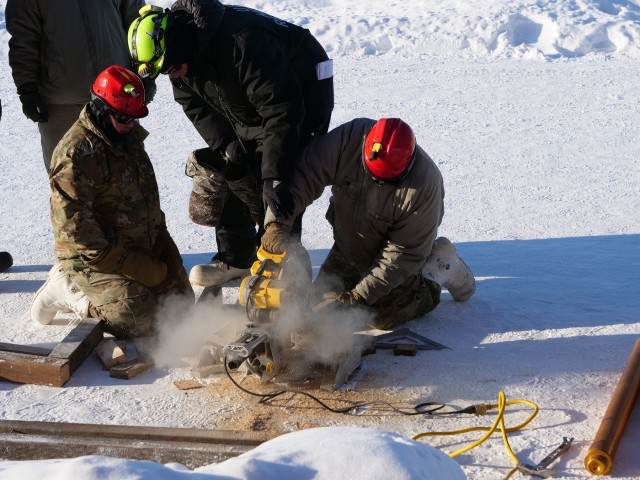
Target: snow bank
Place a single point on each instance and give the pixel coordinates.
(318, 453)
(544, 29)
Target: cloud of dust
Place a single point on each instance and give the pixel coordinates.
(184, 328)
(318, 335)
(321, 330)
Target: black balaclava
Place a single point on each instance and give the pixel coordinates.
(180, 40)
(99, 113)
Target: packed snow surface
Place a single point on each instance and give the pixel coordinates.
(530, 110)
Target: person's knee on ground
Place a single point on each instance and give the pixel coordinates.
(128, 317)
(127, 308)
(446, 268)
(413, 299)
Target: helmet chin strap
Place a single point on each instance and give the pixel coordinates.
(99, 107)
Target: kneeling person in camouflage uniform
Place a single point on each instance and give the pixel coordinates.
(115, 255)
(386, 207)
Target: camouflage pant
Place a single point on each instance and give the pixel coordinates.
(128, 308)
(414, 298)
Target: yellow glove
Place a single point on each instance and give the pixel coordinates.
(350, 298)
(276, 238)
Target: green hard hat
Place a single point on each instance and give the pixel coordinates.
(146, 40)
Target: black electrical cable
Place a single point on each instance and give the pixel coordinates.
(425, 408)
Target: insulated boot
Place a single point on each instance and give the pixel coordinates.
(58, 294)
(215, 273)
(446, 268)
(6, 260)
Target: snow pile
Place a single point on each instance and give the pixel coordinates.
(320, 453)
(544, 29)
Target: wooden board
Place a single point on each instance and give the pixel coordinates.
(130, 369)
(27, 364)
(35, 369)
(28, 349)
(79, 343)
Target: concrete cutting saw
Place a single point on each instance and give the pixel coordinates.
(276, 298)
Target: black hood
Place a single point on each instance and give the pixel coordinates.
(181, 39)
(203, 19)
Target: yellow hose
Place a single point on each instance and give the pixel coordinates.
(499, 421)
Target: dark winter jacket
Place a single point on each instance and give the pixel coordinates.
(60, 46)
(252, 76)
(385, 231)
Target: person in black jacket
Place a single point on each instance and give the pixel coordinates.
(258, 89)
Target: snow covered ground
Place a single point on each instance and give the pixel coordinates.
(530, 109)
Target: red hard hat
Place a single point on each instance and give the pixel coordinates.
(121, 90)
(389, 149)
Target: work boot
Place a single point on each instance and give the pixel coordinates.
(58, 294)
(446, 268)
(5, 261)
(215, 273)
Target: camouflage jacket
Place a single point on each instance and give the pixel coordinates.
(104, 197)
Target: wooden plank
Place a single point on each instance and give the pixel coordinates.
(28, 349)
(25, 440)
(39, 370)
(130, 369)
(110, 352)
(28, 365)
(79, 343)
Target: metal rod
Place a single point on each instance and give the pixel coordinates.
(600, 456)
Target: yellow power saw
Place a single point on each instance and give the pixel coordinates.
(276, 281)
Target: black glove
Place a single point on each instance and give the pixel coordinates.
(240, 158)
(241, 153)
(149, 89)
(32, 105)
(276, 238)
(277, 197)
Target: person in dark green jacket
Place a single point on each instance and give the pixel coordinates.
(386, 206)
(56, 50)
(257, 89)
